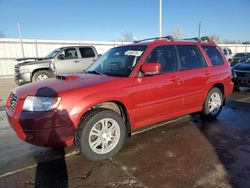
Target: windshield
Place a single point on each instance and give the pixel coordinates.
(53, 53)
(248, 60)
(119, 61)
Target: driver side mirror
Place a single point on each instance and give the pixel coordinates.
(151, 68)
(61, 57)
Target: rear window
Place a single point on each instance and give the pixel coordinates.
(87, 52)
(190, 57)
(225, 51)
(214, 55)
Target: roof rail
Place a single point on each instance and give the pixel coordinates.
(155, 38)
(195, 38)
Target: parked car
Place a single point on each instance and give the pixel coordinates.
(70, 59)
(228, 54)
(240, 57)
(128, 88)
(241, 74)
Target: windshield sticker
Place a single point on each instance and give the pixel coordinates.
(133, 53)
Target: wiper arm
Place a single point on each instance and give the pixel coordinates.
(95, 72)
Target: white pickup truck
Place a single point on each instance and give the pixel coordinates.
(71, 59)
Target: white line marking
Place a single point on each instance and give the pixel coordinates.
(160, 124)
(16, 171)
(32, 166)
(243, 99)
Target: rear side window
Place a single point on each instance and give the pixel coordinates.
(190, 57)
(214, 55)
(165, 56)
(87, 52)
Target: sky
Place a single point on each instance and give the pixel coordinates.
(106, 20)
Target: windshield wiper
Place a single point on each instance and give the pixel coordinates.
(95, 72)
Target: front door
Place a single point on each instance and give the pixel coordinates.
(67, 61)
(158, 97)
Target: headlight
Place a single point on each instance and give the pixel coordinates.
(40, 104)
(233, 73)
(23, 70)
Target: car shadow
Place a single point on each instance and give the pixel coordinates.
(230, 137)
(51, 171)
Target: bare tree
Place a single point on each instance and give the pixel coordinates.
(127, 37)
(1, 35)
(214, 37)
(177, 33)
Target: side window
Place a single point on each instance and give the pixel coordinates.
(190, 57)
(165, 55)
(230, 51)
(69, 53)
(87, 52)
(214, 55)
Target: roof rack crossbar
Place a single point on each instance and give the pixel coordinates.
(195, 38)
(155, 38)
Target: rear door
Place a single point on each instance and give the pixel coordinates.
(195, 74)
(88, 56)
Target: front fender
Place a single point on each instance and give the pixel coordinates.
(86, 103)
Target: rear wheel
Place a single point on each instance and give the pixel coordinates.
(101, 134)
(213, 104)
(42, 75)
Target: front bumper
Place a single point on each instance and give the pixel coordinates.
(241, 82)
(47, 129)
(22, 78)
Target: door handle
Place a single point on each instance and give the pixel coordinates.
(175, 79)
(208, 72)
(76, 61)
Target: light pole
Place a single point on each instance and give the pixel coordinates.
(160, 19)
(199, 30)
(20, 36)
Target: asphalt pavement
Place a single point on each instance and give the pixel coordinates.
(186, 152)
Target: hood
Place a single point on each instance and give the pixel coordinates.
(57, 86)
(242, 67)
(34, 62)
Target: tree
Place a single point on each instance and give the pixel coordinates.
(127, 37)
(206, 38)
(214, 38)
(177, 33)
(1, 35)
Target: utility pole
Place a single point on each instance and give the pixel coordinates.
(199, 30)
(20, 36)
(160, 18)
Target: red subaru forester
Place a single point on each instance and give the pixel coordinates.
(128, 88)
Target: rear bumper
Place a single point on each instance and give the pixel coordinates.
(47, 129)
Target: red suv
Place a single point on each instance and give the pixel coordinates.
(128, 88)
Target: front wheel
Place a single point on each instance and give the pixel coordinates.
(213, 104)
(42, 75)
(101, 134)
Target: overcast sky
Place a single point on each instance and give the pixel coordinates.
(107, 19)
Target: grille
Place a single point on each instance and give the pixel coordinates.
(13, 102)
(243, 74)
(16, 69)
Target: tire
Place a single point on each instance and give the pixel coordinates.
(94, 139)
(213, 104)
(236, 88)
(42, 75)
